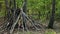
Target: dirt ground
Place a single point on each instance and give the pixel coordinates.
(1, 20)
(56, 29)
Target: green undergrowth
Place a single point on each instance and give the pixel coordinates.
(47, 31)
(2, 13)
(50, 31)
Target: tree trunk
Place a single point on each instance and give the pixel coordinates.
(50, 25)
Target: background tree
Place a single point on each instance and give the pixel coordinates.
(50, 25)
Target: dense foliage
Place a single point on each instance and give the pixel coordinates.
(41, 9)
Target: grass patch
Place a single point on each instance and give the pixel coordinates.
(50, 31)
(2, 13)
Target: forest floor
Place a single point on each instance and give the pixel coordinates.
(56, 29)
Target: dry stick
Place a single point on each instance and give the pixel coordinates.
(39, 25)
(18, 26)
(4, 27)
(3, 30)
(8, 9)
(33, 23)
(25, 21)
(12, 28)
(4, 24)
(22, 25)
(30, 20)
(22, 20)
